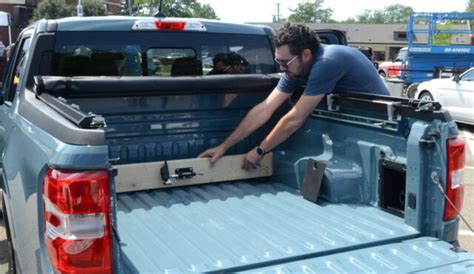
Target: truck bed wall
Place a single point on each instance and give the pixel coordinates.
(160, 125)
(147, 129)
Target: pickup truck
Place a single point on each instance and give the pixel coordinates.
(102, 119)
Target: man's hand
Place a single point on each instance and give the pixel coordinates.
(251, 160)
(213, 154)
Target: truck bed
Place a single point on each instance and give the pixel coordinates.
(242, 225)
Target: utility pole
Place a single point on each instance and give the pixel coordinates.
(315, 10)
(79, 9)
(129, 3)
(278, 12)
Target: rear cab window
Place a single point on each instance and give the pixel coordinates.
(94, 53)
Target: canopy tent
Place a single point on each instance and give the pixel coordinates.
(5, 21)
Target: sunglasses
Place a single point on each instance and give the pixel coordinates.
(285, 63)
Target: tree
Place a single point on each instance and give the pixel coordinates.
(203, 11)
(470, 6)
(393, 14)
(178, 8)
(309, 11)
(396, 14)
(52, 9)
(93, 8)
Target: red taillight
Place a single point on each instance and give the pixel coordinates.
(454, 185)
(164, 25)
(77, 222)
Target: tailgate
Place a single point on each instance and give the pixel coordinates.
(242, 225)
(423, 255)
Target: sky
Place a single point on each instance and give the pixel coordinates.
(263, 10)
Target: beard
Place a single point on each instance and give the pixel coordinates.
(301, 72)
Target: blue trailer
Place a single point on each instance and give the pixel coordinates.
(439, 45)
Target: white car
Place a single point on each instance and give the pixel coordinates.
(455, 94)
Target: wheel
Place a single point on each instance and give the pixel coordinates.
(382, 73)
(426, 96)
(411, 90)
(6, 246)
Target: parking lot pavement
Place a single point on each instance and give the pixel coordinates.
(466, 237)
(3, 251)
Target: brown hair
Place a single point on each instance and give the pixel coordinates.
(297, 37)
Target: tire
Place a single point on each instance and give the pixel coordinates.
(426, 96)
(382, 73)
(411, 90)
(6, 244)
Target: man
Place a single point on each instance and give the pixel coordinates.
(237, 63)
(221, 64)
(321, 69)
(228, 63)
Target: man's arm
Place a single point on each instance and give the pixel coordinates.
(256, 117)
(287, 125)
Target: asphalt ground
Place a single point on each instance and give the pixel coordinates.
(466, 236)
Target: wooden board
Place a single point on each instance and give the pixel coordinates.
(135, 177)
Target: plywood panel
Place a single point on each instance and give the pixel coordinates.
(135, 177)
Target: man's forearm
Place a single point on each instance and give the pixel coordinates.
(282, 131)
(252, 121)
(292, 121)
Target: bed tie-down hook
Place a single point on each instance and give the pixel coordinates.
(179, 173)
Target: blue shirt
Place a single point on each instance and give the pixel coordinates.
(337, 68)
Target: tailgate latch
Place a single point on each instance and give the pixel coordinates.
(179, 173)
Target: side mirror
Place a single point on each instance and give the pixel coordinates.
(456, 78)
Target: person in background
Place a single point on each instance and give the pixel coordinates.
(320, 69)
(221, 64)
(238, 64)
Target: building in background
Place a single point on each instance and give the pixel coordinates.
(384, 39)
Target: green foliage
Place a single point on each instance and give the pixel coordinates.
(52, 9)
(444, 39)
(203, 11)
(371, 17)
(350, 20)
(93, 8)
(309, 11)
(393, 14)
(470, 6)
(177, 8)
(396, 14)
(312, 11)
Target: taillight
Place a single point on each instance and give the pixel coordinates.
(168, 25)
(164, 24)
(77, 222)
(454, 185)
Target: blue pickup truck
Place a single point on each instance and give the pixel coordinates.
(101, 120)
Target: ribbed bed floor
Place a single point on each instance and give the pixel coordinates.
(231, 225)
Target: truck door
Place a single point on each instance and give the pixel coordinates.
(11, 83)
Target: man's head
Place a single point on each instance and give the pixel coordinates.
(237, 62)
(295, 46)
(221, 63)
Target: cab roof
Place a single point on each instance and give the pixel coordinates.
(126, 23)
